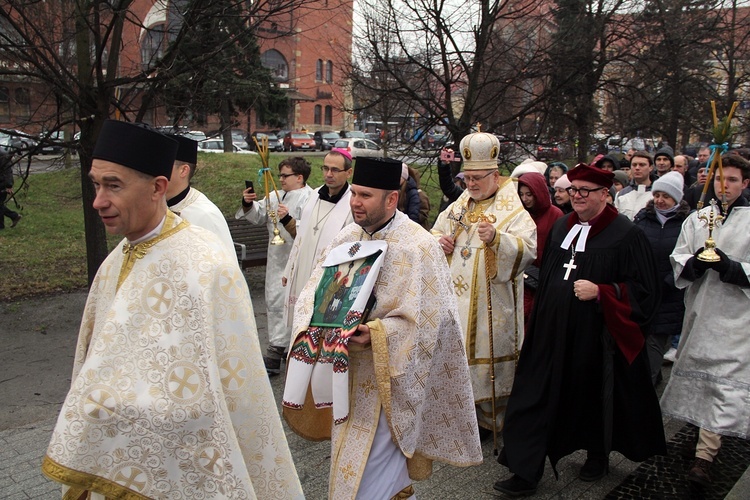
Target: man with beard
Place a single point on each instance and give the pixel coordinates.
(384, 385)
(489, 240)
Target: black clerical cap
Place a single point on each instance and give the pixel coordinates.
(188, 150)
(136, 146)
(379, 173)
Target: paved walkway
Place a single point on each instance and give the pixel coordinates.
(26, 434)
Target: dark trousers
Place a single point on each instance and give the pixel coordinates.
(6, 212)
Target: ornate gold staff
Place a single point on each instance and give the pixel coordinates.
(490, 271)
(265, 171)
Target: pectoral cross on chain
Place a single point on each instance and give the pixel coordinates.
(569, 266)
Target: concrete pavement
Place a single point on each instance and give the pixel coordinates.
(37, 363)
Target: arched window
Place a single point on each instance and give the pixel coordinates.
(329, 115)
(316, 115)
(319, 70)
(4, 102)
(276, 62)
(329, 72)
(152, 46)
(23, 102)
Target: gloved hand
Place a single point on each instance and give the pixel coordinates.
(723, 265)
(694, 268)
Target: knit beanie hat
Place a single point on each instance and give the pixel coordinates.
(665, 152)
(622, 177)
(671, 183)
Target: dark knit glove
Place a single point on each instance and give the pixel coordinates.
(730, 271)
(694, 267)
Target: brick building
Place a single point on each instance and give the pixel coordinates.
(307, 48)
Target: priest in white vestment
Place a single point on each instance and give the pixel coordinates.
(169, 397)
(293, 174)
(327, 212)
(189, 203)
(489, 239)
(408, 399)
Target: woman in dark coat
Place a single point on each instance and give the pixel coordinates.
(661, 221)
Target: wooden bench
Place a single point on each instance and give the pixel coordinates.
(250, 242)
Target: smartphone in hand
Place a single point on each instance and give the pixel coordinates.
(447, 155)
(249, 185)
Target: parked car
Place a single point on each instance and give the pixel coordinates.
(274, 143)
(195, 135)
(51, 143)
(238, 137)
(545, 152)
(359, 147)
(5, 146)
(434, 141)
(374, 137)
(217, 146)
(346, 134)
(20, 141)
(325, 140)
(298, 141)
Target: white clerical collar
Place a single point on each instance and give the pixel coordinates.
(582, 231)
(151, 234)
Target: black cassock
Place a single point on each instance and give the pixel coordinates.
(583, 379)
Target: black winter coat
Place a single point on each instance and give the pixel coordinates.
(669, 315)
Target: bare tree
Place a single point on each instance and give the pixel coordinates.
(730, 53)
(86, 62)
(436, 63)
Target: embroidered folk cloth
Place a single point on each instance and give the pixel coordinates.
(169, 396)
(320, 355)
(415, 369)
(513, 249)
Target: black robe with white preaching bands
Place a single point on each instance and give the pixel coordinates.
(583, 378)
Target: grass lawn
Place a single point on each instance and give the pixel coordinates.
(45, 252)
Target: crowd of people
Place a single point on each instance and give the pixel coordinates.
(537, 309)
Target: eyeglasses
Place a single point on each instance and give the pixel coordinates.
(470, 178)
(284, 176)
(584, 191)
(333, 170)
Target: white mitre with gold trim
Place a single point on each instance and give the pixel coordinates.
(480, 151)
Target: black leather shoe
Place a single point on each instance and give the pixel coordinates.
(594, 469)
(15, 221)
(516, 486)
(273, 366)
(700, 472)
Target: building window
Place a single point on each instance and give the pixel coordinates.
(152, 46)
(329, 72)
(276, 62)
(23, 102)
(329, 115)
(4, 102)
(317, 113)
(319, 70)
